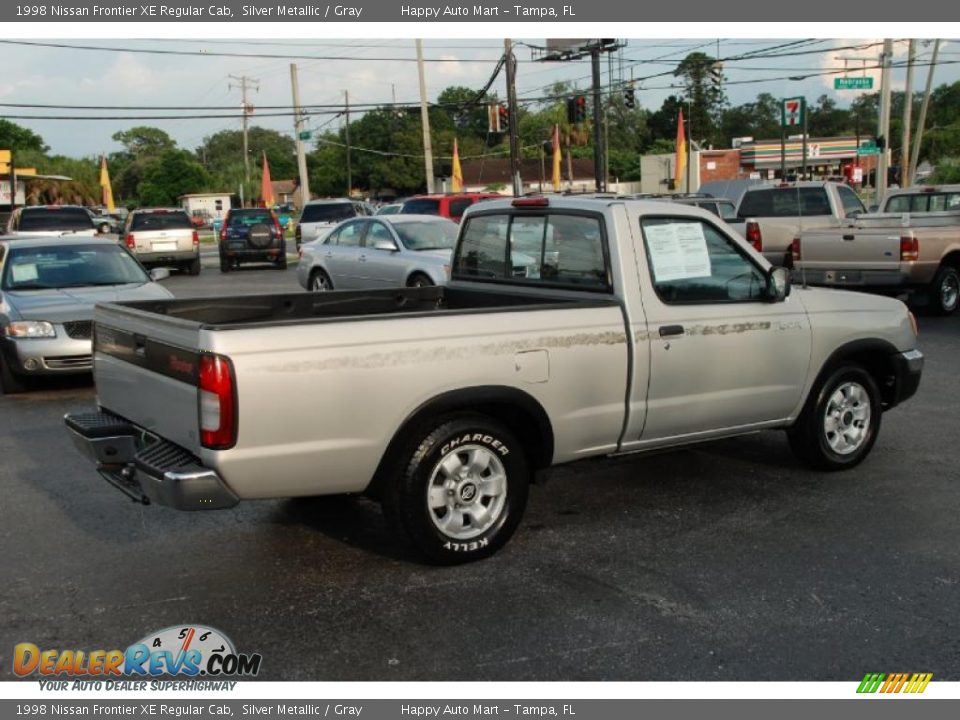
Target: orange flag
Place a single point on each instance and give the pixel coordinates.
(266, 188)
(556, 157)
(681, 161)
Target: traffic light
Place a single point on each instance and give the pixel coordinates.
(716, 74)
(580, 108)
(504, 114)
(629, 99)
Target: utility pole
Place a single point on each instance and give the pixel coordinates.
(346, 127)
(597, 120)
(510, 63)
(425, 120)
(921, 121)
(298, 128)
(905, 176)
(884, 130)
(245, 83)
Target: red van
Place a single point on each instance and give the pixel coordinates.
(448, 206)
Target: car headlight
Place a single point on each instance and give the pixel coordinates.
(30, 329)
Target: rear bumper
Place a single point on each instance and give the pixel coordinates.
(174, 257)
(148, 472)
(881, 280)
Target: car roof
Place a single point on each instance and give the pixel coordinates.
(328, 201)
(48, 240)
(454, 196)
(586, 202)
(412, 217)
(26, 208)
(143, 211)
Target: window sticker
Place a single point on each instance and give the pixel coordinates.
(678, 251)
(27, 272)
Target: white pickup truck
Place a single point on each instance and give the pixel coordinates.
(647, 325)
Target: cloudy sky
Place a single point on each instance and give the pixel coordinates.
(374, 71)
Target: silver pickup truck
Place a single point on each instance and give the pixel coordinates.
(648, 325)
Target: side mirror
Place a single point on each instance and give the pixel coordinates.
(160, 273)
(778, 284)
(385, 245)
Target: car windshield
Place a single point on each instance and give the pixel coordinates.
(73, 265)
(423, 235)
(60, 219)
(247, 218)
(160, 221)
(327, 212)
(421, 206)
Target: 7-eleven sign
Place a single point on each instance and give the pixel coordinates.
(793, 109)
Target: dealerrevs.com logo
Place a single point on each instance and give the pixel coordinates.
(889, 683)
(183, 650)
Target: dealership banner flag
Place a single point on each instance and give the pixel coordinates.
(106, 190)
(681, 162)
(266, 187)
(557, 157)
(457, 183)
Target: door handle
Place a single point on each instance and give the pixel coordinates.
(670, 330)
(848, 237)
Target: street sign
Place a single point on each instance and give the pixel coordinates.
(792, 112)
(304, 135)
(868, 147)
(853, 83)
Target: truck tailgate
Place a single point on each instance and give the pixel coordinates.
(850, 248)
(145, 368)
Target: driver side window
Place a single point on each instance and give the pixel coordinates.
(690, 261)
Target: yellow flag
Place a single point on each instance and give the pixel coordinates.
(457, 183)
(105, 185)
(557, 157)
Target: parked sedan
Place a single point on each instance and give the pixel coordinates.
(378, 252)
(48, 287)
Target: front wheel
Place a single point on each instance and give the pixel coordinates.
(320, 281)
(840, 422)
(10, 382)
(461, 491)
(419, 280)
(945, 291)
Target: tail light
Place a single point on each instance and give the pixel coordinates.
(795, 249)
(909, 248)
(753, 235)
(216, 396)
(130, 241)
(196, 238)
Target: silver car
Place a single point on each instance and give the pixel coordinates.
(380, 252)
(48, 287)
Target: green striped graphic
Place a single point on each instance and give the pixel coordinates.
(871, 682)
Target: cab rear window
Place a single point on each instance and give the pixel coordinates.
(555, 249)
(62, 218)
(785, 202)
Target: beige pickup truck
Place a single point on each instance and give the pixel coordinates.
(646, 325)
(770, 216)
(892, 253)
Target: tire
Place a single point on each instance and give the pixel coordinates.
(461, 489)
(419, 280)
(945, 291)
(847, 400)
(225, 265)
(320, 281)
(194, 267)
(282, 262)
(260, 236)
(10, 382)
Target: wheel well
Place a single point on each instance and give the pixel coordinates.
(874, 356)
(516, 410)
(418, 273)
(952, 259)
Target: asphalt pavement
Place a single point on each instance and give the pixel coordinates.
(727, 561)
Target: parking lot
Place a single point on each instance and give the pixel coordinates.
(728, 561)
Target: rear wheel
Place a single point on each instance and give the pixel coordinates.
(193, 267)
(945, 290)
(320, 281)
(281, 262)
(840, 422)
(462, 489)
(225, 265)
(10, 382)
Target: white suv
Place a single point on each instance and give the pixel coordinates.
(319, 217)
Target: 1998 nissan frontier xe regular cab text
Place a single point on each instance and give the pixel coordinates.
(629, 326)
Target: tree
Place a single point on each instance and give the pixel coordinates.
(173, 173)
(706, 100)
(222, 153)
(17, 138)
(144, 141)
